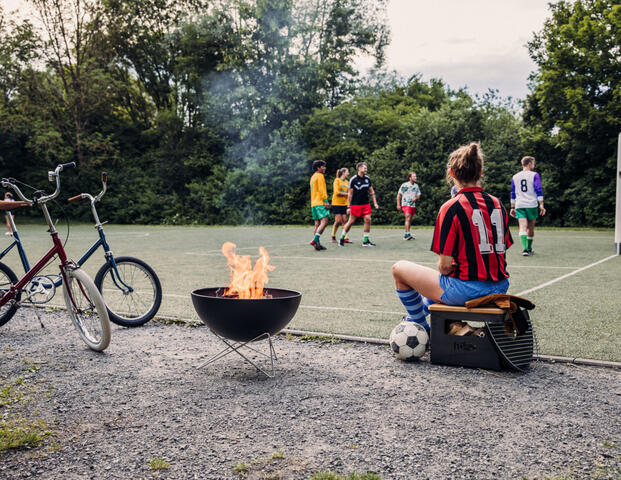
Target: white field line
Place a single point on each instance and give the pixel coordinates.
(314, 307)
(351, 309)
(558, 279)
(297, 244)
(350, 259)
(112, 234)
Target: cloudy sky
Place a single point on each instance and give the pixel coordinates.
(475, 43)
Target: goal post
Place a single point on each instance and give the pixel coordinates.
(618, 211)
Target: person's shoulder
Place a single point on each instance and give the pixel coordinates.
(493, 198)
(450, 205)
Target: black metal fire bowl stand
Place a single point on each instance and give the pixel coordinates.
(239, 322)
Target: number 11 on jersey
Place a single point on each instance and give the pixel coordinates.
(498, 229)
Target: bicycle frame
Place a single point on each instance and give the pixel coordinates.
(17, 242)
(116, 278)
(57, 249)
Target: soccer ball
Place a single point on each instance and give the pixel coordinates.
(408, 341)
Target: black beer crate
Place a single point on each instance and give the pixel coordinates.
(497, 347)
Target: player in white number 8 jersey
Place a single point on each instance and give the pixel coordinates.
(527, 202)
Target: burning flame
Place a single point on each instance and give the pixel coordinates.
(246, 282)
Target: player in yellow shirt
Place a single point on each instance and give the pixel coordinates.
(340, 188)
(319, 202)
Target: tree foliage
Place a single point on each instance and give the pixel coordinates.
(213, 111)
(574, 109)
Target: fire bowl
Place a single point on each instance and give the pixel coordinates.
(242, 320)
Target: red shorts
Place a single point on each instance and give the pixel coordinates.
(360, 210)
(408, 209)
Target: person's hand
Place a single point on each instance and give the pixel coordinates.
(327, 205)
(376, 206)
(542, 210)
(512, 212)
(398, 208)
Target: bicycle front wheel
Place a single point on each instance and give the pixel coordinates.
(7, 278)
(87, 310)
(132, 292)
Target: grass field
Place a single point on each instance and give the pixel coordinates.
(350, 291)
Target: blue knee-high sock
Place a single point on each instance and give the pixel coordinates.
(416, 307)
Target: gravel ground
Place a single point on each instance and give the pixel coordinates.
(337, 407)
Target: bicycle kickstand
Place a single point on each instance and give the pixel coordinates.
(36, 310)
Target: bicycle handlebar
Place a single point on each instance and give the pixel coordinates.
(52, 176)
(93, 200)
(10, 183)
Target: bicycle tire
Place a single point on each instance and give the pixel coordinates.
(7, 278)
(130, 309)
(87, 310)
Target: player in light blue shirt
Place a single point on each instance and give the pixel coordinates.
(408, 194)
(527, 202)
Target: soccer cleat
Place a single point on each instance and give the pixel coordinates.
(347, 240)
(368, 243)
(317, 245)
(525, 253)
(341, 242)
(531, 252)
(333, 239)
(408, 237)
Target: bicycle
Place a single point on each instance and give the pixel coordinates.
(83, 300)
(131, 289)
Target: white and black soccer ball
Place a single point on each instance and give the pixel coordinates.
(408, 341)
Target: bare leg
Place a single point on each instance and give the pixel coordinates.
(322, 225)
(349, 223)
(339, 220)
(408, 221)
(530, 228)
(367, 224)
(424, 280)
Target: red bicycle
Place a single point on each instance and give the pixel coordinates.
(84, 302)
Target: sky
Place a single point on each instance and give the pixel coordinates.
(480, 44)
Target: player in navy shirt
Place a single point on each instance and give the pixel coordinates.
(471, 237)
(359, 192)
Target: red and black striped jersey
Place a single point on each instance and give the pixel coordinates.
(473, 228)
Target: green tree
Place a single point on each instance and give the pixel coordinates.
(574, 108)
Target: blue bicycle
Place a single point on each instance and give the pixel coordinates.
(130, 287)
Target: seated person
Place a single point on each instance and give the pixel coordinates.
(471, 237)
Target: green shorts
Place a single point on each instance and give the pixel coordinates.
(320, 212)
(527, 213)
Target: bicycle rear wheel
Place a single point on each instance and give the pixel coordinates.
(87, 310)
(7, 278)
(133, 306)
